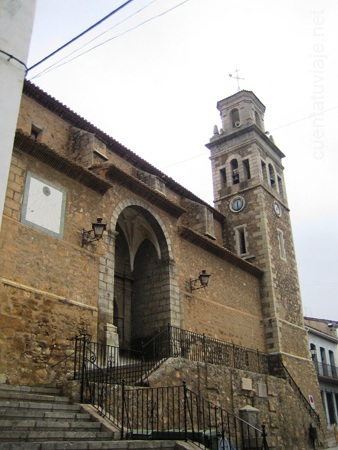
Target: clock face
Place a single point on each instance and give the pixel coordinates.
(44, 205)
(237, 204)
(277, 209)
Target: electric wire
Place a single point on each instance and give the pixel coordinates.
(304, 118)
(13, 57)
(54, 66)
(273, 129)
(80, 35)
(57, 63)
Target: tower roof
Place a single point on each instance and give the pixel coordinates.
(241, 95)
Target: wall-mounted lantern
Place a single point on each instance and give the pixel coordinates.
(313, 352)
(200, 282)
(95, 234)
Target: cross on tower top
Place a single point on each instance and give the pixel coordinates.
(237, 77)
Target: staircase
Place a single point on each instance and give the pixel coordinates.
(39, 418)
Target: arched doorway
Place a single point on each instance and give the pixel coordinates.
(142, 278)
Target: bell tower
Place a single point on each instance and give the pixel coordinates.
(249, 190)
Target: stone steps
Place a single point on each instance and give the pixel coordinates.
(45, 406)
(36, 417)
(30, 413)
(59, 435)
(47, 425)
(98, 445)
(42, 419)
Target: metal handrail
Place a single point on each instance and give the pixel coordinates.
(102, 368)
(173, 412)
(296, 388)
(176, 412)
(177, 342)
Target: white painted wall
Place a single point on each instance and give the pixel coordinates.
(329, 387)
(16, 24)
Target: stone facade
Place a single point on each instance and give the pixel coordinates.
(278, 406)
(126, 287)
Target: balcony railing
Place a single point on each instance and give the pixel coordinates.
(326, 370)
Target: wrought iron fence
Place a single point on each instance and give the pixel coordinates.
(114, 364)
(179, 413)
(147, 413)
(96, 364)
(176, 342)
(175, 413)
(172, 412)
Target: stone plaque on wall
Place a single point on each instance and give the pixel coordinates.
(262, 390)
(247, 384)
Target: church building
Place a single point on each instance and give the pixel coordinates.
(97, 241)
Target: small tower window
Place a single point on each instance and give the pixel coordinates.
(246, 169)
(272, 176)
(234, 116)
(241, 240)
(264, 171)
(281, 244)
(234, 171)
(280, 186)
(223, 177)
(36, 133)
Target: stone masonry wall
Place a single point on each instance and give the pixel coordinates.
(48, 287)
(229, 308)
(35, 334)
(280, 409)
(54, 130)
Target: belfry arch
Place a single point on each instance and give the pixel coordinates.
(143, 295)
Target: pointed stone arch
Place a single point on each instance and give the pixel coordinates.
(137, 275)
(134, 202)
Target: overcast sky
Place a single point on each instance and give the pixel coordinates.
(154, 83)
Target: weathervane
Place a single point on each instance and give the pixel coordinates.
(237, 78)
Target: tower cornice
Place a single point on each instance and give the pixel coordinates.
(225, 137)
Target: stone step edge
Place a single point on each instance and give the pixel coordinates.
(41, 414)
(51, 390)
(48, 424)
(39, 405)
(99, 445)
(38, 436)
(31, 396)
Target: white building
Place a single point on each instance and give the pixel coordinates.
(323, 345)
(16, 24)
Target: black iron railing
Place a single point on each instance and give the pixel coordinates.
(175, 413)
(176, 342)
(326, 370)
(132, 365)
(97, 365)
(104, 369)
(172, 412)
(312, 413)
